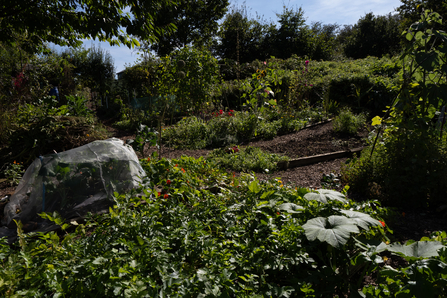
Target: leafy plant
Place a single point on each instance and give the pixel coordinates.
(145, 135)
(347, 122)
(197, 220)
(245, 159)
(77, 106)
(407, 165)
(14, 172)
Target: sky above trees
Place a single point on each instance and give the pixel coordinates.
(326, 11)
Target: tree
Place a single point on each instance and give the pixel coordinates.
(373, 36)
(323, 41)
(242, 38)
(92, 68)
(196, 22)
(411, 11)
(66, 22)
(292, 35)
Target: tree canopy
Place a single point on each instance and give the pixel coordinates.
(67, 22)
(196, 22)
(411, 11)
(243, 39)
(373, 36)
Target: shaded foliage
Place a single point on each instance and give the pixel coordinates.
(196, 22)
(373, 36)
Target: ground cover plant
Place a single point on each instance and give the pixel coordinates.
(194, 230)
(245, 159)
(347, 122)
(223, 128)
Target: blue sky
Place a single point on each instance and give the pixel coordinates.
(342, 12)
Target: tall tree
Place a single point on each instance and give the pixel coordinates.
(242, 38)
(196, 22)
(66, 22)
(374, 36)
(323, 41)
(293, 33)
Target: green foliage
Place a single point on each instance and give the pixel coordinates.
(195, 21)
(243, 39)
(411, 11)
(374, 36)
(424, 274)
(194, 230)
(144, 135)
(13, 173)
(39, 128)
(77, 106)
(92, 68)
(178, 84)
(406, 169)
(226, 128)
(423, 90)
(66, 24)
(245, 159)
(190, 132)
(407, 166)
(347, 122)
(292, 35)
(368, 83)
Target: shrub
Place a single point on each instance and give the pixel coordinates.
(347, 122)
(246, 159)
(407, 169)
(190, 132)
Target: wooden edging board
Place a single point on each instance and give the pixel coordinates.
(317, 158)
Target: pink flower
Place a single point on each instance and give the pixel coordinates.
(265, 63)
(306, 62)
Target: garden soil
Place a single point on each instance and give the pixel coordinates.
(314, 140)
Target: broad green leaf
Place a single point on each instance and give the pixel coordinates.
(99, 260)
(376, 121)
(337, 233)
(324, 195)
(254, 186)
(362, 220)
(420, 249)
(290, 208)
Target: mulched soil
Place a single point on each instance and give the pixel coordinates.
(317, 139)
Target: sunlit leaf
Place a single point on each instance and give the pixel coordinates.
(420, 249)
(335, 230)
(325, 195)
(290, 208)
(362, 220)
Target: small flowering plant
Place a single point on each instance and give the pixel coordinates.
(300, 86)
(14, 173)
(222, 113)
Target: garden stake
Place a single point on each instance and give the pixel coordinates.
(43, 187)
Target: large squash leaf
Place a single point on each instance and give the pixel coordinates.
(290, 208)
(363, 220)
(324, 195)
(416, 250)
(334, 230)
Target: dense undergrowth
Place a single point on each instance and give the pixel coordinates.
(195, 231)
